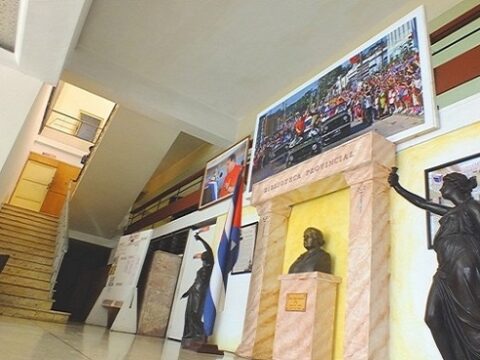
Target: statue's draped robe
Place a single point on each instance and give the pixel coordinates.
(196, 299)
(456, 284)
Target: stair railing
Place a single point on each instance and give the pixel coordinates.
(61, 243)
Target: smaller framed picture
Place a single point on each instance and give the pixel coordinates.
(247, 247)
(469, 166)
(221, 174)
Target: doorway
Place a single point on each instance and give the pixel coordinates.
(33, 185)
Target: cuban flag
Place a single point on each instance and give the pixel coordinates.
(227, 255)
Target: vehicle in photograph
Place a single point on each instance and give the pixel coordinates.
(305, 148)
(336, 128)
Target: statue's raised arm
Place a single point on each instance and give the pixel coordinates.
(393, 180)
(453, 305)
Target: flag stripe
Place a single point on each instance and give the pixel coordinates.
(227, 255)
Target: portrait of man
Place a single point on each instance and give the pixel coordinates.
(233, 170)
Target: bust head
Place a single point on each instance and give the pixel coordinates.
(315, 258)
(312, 238)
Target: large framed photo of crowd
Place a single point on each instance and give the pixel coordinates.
(386, 86)
(221, 173)
(469, 166)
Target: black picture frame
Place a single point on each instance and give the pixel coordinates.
(468, 165)
(247, 249)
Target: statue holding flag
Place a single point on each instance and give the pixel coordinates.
(194, 332)
(206, 295)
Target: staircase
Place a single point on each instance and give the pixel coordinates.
(25, 282)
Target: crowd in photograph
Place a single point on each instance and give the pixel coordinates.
(395, 88)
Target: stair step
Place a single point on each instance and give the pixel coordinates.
(32, 274)
(19, 290)
(25, 281)
(31, 213)
(9, 214)
(30, 244)
(34, 314)
(43, 260)
(14, 300)
(30, 236)
(27, 249)
(33, 266)
(21, 225)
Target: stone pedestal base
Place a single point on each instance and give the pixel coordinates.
(305, 318)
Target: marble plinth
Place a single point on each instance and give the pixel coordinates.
(159, 291)
(306, 317)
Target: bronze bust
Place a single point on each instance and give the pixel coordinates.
(315, 258)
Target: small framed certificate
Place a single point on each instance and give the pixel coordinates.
(247, 246)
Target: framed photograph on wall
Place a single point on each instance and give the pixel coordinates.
(222, 172)
(247, 247)
(385, 85)
(469, 166)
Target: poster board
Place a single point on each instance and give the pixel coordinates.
(120, 292)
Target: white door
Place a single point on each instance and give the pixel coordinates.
(33, 185)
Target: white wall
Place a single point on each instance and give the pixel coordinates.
(22, 101)
(229, 323)
(59, 150)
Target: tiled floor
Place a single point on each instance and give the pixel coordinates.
(25, 339)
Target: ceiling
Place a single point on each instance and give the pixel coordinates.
(8, 23)
(206, 68)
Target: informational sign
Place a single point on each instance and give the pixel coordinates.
(127, 264)
(296, 302)
(121, 288)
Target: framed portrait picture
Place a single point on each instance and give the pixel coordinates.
(221, 174)
(469, 166)
(384, 86)
(247, 247)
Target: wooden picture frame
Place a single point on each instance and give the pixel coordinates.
(217, 184)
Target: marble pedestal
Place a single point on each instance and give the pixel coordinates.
(159, 291)
(306, 316)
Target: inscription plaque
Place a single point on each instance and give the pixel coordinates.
(296, 302)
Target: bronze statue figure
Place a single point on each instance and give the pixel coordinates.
(453, 305)
(194, 332)
(315, 258)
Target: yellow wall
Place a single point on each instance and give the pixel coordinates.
(330, 214)
(72, 100)
(412, 265)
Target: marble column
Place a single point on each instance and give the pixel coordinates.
(259, 328)
(366, 323)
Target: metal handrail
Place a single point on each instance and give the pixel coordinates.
(62, 240)
(165, 198)
(75, 125)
